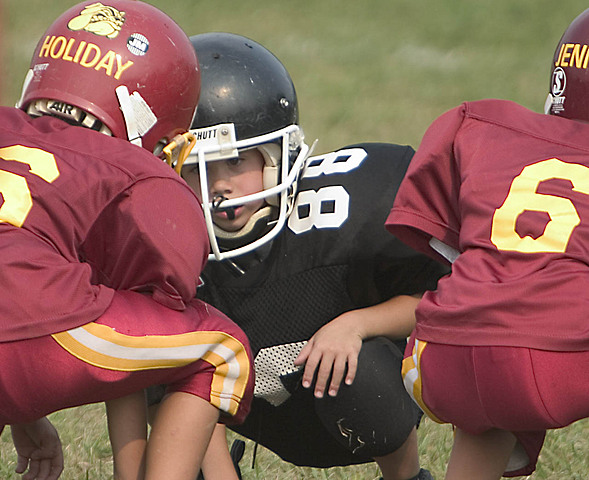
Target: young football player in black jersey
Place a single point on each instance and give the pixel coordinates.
(301, 261)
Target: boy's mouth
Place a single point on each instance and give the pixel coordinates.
(227, 213)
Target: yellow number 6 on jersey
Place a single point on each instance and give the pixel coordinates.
(15, 189)
(522, 196)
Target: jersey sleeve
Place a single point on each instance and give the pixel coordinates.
(426, 205)
(151, 239)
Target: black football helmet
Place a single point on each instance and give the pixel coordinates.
(247, 100)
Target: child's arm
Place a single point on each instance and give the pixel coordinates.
(332, 352)
(127, 428)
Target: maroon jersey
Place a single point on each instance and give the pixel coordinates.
(508, 189)
(83, 214)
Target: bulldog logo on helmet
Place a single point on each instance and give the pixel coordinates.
(99, 19)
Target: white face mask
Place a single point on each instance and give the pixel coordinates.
(280, 176)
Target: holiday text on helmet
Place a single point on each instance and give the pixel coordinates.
(87, 55)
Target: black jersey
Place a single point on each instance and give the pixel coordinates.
(334, 255)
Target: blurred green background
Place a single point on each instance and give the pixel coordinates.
(375, 70)
(369, 70)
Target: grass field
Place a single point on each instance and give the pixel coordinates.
(376, 70)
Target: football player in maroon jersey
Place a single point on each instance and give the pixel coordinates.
(501, 348)
(301, 261)
(102, 247)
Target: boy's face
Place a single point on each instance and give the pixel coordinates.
(231, 178)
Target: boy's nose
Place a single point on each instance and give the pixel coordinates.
(220, 186)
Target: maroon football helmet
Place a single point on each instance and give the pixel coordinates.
(122, 67)
(569, 80)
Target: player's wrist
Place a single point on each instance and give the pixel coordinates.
(354, 322)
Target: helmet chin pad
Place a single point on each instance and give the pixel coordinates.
(257, 225)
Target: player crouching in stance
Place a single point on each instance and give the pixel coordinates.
(301, 261)
(102, 249)
(501, 348)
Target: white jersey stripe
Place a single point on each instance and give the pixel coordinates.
(102, 346)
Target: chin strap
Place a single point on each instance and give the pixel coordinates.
(230, 211)
(255, 227)
(137, 114)
(176, 152)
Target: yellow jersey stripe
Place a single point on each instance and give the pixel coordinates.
(104, 347)
(411, 372)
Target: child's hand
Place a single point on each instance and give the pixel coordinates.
(39, 450)
(332, 351)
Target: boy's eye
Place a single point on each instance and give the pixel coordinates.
(189, 170)
(234, 161)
